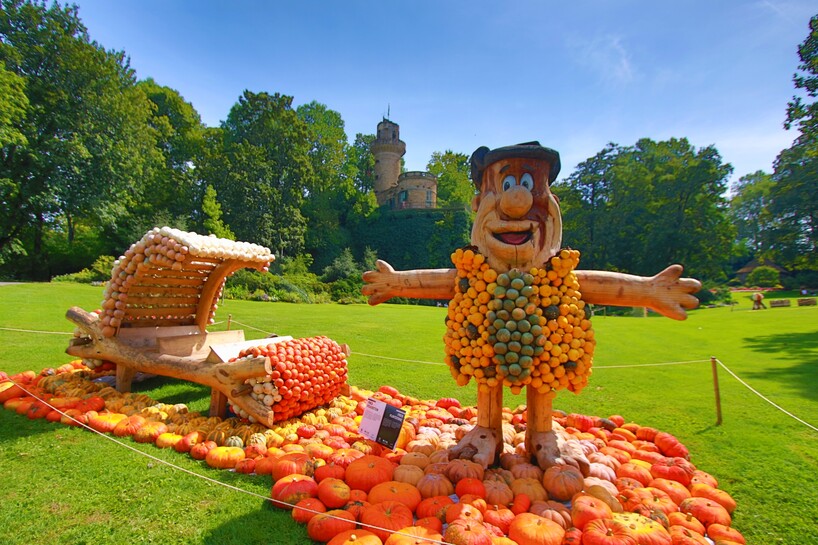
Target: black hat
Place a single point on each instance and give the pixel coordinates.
(483, 157)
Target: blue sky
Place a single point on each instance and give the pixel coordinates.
(461, 74)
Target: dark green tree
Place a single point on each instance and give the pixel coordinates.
(454, 188)
(212, 213)
(179, 132)
(88, 147)
(794, 196)
(261, 170)
(749, 211)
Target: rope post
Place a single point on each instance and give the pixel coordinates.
(714, 365)
(229, 318)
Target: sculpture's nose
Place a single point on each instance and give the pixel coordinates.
(516, 202)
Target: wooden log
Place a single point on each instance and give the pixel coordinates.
(163, 312)
(223, 377)
(150, 282)
(163, 299)
(145, 291)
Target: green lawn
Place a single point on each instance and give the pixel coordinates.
(63, 485)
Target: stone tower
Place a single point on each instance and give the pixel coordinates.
(387, 149)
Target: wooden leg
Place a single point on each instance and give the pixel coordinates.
(484, 443)
(124, 378)
(218, 403)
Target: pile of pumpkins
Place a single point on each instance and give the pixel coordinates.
(638, 487)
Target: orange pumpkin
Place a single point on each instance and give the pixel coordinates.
(367, 471)
(467, 532)
(635, 471)
(562, 482)
(432, 523)
(223, 457)
(386, 517)
(463, 511)
(707, 511)
(679, 535)
(408, 474)
(676, 490)
(498, 492)
(307, 508)
(413, 535)
(334, 493)
(129, 426)
(460, 469)
(686, 520)
(718, 532)
(435, 484)
(325, 526)
(470, 485)
(500, 517)
(608, 532)
(291, 463)
(355, 537)
(585, 508)
(652, 498)
(404, 493)
(530, 529)
(291, 489)
(702, 490)
(434, 506)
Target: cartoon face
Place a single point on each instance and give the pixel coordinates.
(518, 222)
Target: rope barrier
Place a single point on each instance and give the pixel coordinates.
(205, 477)
(759, 394)
(34, 331)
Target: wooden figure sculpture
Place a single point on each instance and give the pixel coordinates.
(517, 313)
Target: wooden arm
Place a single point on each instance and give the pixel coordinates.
(666, 293)
(385, 283)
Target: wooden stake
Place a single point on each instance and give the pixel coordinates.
(714, 365)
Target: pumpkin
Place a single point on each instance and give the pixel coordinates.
(290, 463)
(199, 450)
(585, 508)
(432, 523)
(434, 506)
(646, 531)
(408, 474)
(530, 487)
(105, 422)
(676, 490)
(386, 517)
(467, 532)
(706, 510)
(307, 508)
(149, 432)
(367, 471)
(526, 471)
(462, 510)
(345, 456)
(404, 493)
(552, 510)
(669, 445)
(415, 459)
(291, 489)
(700, 476)
(652, 498)
(470, 485)
(675, 469)
(460, 469)
(498, 492)
(167, 440)
(521, 503)
(325, 526)
(500, 517)
(224, 457)
(686, 520)
(718, 532)
(702, 490)
(601, 471)
(680, 535)
(333, 493)
(413, 535)
(435, 484)
(530, 529)
(562, 482)
(329, 470)
(635, 471)
(355, 537)
(608, 532)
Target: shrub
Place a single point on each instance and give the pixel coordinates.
(763, 277)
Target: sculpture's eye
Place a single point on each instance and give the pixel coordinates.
(527, 181)
(509, 182)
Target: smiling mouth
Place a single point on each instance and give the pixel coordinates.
(514, 238)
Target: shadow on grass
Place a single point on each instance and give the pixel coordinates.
(799, 348)
(267, 525)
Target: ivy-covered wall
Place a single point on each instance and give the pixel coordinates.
(415, 239)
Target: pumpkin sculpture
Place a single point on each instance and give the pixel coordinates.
(517, 313)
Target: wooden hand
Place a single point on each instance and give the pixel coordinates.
(384, 283)
(666, 293)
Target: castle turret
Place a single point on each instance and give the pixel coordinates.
(388, 150)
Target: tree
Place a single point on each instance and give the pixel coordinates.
(212, 213)
(454, 189)
(794, 195)
(86, 134)
(643, 207)
(179, 134)
(749, 211)
(12, 113)
(259, 165)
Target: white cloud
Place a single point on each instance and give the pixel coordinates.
(607, 57)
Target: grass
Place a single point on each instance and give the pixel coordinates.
(63, 485)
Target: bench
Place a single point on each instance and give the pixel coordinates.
(780, 303)
(808, 302)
